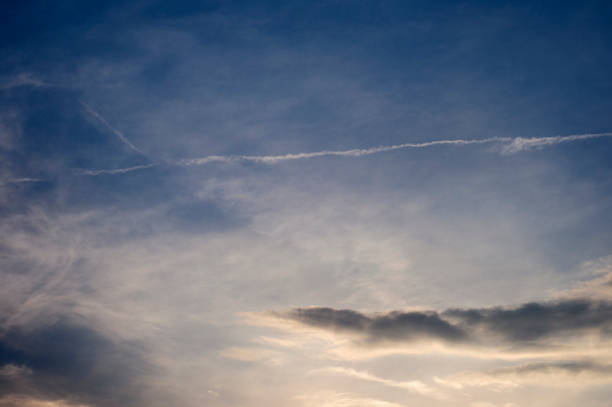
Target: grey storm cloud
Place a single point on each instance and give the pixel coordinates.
(526, 324)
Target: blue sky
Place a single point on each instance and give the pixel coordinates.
(336, 203)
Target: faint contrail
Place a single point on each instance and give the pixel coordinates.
(20, 180)
(511, 145)
(23, 79)
(82, 171)
(116, 132)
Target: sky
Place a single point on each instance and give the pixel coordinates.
(305, 203)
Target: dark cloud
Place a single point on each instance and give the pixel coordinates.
(396, 326)
(526, 325)
(71, 362)
(535, 321)
(571, 367)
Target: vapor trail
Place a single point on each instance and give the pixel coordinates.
(20, 181)
(510, 145)
(514, 145)
(272, 159)
(116, 132)
(520, 144)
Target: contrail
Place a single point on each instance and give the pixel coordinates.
(116, 132)
(520, 144)
(510, 145)
(273, 159)
(513, 145)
